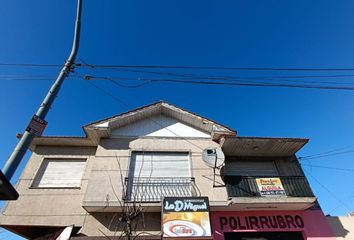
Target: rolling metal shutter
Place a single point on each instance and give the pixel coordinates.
(250, 168)
(60, 173)
(154, 175)
(159, 164)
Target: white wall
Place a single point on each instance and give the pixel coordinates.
(159, 126)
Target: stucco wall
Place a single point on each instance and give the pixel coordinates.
(101, 185)
(100, 224)
(45, 206)
(111, 165)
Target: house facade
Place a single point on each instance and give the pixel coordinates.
(111, 182)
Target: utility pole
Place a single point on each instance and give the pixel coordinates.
(38, 123)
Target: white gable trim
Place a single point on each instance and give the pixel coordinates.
(158, 126)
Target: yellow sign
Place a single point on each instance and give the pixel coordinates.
(270, 186)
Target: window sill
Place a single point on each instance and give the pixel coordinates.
(55, 188)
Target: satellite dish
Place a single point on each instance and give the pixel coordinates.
(213, 157)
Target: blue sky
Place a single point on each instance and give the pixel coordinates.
(284, 34)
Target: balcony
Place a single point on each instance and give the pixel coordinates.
(244, 194)
(154, 189)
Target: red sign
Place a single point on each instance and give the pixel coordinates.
(312, 224)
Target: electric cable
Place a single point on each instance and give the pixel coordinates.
(219, 68)
(280, 79)
(328, 191)
(182, 67)
(128, 86)
(326, 152)
(127, 105)
(237, 78)
(229, 78)
(25, 78)
(326, 155)
(328, 167)
(340, 205)
(245, 84)
(108, 94)
(29, 65)
(30, 77)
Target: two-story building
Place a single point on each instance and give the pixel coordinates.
(110, 183)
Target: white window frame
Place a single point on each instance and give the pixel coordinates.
(44, 166)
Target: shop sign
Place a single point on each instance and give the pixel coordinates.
(270, 187)
(186, 217)
(261, 222)
(310, 223)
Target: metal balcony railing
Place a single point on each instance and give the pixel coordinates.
(154, 189)
(244, 186)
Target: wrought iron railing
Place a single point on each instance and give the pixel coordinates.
(244, 186)
(154, 189)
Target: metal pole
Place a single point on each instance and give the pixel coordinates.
(26, 140)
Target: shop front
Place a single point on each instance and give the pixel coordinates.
(270, 225)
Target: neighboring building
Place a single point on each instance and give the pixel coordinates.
(342, 226)
(127, 163)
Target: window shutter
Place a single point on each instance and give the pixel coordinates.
(60, 173)
(250, 168)
(160, 164)
(154, 175)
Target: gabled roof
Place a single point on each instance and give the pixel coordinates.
(102, 128)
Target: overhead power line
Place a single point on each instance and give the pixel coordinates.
(199, 76)
(217, 68)
(341, 204)
(28, 77)
(327, 152)
(266, 79)
(109, 94)
(25, 77)
(180, 67)
(234, 83)
(151, 119)
(286, 78)
(328, 167)
(29, 65)
(328, 191)
(326, 155)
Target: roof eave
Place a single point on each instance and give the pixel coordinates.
(60, 141)
(216, 130)
(261, 146)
